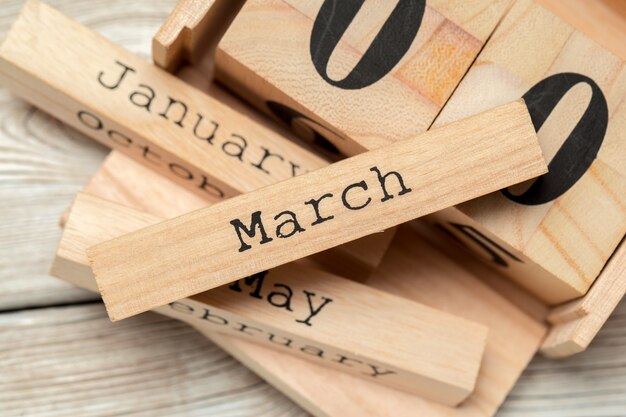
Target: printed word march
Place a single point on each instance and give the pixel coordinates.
(354, 197)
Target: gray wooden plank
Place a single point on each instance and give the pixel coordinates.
(72, 361)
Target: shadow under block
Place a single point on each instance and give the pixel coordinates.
(224, 146)
(364, 194)
(309, 313)
(432, 276)
(575, 324)
(382, 80)
(554, 236)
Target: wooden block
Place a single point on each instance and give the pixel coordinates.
(431, 274)
(575, 324)
(603, 21)
(308, 312)
(364, 194)
(358, 75)
(152, 139)
(552, 236)
(122, 180)
(191, 32)
(127, 104)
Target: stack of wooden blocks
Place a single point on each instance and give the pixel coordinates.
(284, 228)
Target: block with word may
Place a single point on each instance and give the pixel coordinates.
(153, 117)
(554, 234)
(307, 312)
(316, 211)
(354, 75)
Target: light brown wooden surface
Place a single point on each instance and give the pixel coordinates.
(564, 243)
(323, 317)
(265, 64)
(168, 261)
(160, 378)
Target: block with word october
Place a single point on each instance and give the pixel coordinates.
(355, 75)
(117, 98)
(316, 211)
(554, 234)
(308, 312)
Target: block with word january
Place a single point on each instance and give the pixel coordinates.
(353, 75)
(554, 235)
(316, 211)
(157, 119)
(307, 312)
(132, 106)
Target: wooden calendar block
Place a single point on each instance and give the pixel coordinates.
(316, 211)
(307, 312)
(353, 75)
(554, 234)
(242, 149)
(575, 324)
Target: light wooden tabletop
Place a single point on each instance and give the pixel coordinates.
(60, 355)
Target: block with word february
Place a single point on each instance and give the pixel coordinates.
(316, 211)
(308, 312)
(554, 235)
(357, 75)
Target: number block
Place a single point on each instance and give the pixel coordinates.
(554, 234)
(353, 76)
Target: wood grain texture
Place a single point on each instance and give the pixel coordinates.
(243, 151)
(308, 313)
(436, 279)
(562, 243)
(575, 324)
(45, 162)
(168, 261)
(603, 21)
(54, 360)
(166, 368)
(269, 66)
(156, 118)
(590, 384)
